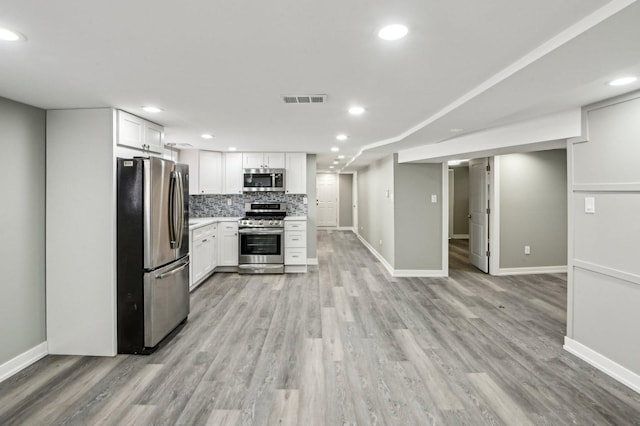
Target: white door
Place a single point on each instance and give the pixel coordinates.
(327, 185)
(479, 213)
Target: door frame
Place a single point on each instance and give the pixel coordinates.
(337, 191)
(494, 217)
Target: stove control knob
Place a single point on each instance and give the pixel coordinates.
(271, 223)
(260, 223)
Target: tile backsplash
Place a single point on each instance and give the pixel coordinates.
(215, 205)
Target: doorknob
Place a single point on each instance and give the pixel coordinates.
(469, 216)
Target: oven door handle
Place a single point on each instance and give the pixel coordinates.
(260, 231)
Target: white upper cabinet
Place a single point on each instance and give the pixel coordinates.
(137, 133)
(233, 180)
(210, 172)
(263, 160)
(205, 171)
(296, 173)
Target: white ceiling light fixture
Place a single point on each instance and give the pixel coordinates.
(623, 81)
(232, 148)
(342, 137)
(152, 109)
(356, 110)
(8, 35)
(340, 157)
(206, 136)
(335, 149)
(456, 130)
(393, 32)
(331, 167)
(336, 162)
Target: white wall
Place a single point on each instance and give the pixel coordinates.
(22, 230)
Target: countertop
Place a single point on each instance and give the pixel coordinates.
(198, 222)
(295, 218)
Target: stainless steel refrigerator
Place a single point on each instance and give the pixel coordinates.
(153, 251)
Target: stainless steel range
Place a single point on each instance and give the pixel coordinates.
(261, 238)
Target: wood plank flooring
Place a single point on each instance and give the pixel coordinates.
(345, 344)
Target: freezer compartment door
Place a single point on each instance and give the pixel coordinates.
(166, 300)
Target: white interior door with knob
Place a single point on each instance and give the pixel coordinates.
(479, 214)
(327, 190)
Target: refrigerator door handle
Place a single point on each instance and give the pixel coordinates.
(181, 209)
(173, 271)
(173, 235)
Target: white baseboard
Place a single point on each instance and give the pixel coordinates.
(532, 270)
(378, 256)
(23, 360)
(420, 273)
(402, 272)
(312, 261)
(460, 237)
(345, 228)
(604, 364)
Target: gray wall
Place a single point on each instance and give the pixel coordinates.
(604, 288)
(533, 208)
(345, 215)
(418, 221)
(312, 214)
(460, 200)
(375, 210)
(22, 253)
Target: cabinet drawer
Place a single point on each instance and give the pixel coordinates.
(204, 231)
(295, 256)
(295, 226)
(228, 226)
(295, 239)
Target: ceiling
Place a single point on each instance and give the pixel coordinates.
(221, 67)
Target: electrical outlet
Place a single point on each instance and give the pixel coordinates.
(527, 249)
(229, 202)
(305, 200)
(434, 198)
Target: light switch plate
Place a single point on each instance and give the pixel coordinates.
(305, 200)
(589, 205)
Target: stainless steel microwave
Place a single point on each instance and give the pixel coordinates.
(263, 180)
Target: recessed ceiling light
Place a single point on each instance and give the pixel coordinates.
(151, 109)
(342, 137)
(335, 149)
(456, 130)
(206, 136)
(622, 81)
(331, 167)
(336, 162)
(8, 35)
(393, 32)
(232, 148)
(356, 110)
(340, 157)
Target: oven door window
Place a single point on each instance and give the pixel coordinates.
(258, 180)
(261, 244)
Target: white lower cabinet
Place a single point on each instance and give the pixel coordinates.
(204, 253)
(228, 244)
(295, 246)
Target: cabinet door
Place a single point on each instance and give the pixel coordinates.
(130, 130)
(233, 178)
(198, 257)
(228, 244)
(274, 160)
(191, 157)
(153, 137)
(252, 160)
(210, 172)
(210, 261)
(296, 173)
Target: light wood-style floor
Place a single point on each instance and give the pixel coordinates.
(346, 344)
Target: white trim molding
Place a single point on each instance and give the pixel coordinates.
(460, 237)
(346, 228)
(23, 360)
(602, 363)
(402, 272)
(532, 270)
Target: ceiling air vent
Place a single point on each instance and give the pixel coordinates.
(304, 99)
